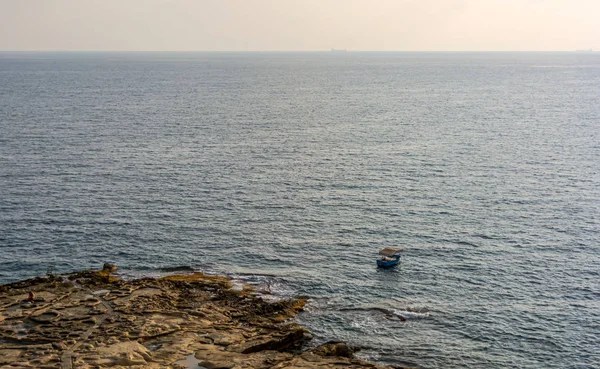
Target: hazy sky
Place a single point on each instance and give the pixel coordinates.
(299, 24)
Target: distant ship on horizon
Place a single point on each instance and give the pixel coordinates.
(338, 50)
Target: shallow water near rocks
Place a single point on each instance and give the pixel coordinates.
(190, 362)
(291, 170)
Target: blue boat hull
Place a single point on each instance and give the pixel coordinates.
(387, 263)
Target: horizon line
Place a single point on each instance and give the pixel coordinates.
(337, 51)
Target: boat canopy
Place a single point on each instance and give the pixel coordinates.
(389, 251)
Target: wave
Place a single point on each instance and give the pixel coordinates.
(411, 314)
(391, 313)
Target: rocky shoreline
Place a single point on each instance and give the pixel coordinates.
(92, 319)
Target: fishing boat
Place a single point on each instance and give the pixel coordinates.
(389, 257)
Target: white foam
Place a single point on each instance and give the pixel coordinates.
(411, 314)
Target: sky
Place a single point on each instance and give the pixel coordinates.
(300, 25)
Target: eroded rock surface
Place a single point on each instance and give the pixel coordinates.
(93, 320)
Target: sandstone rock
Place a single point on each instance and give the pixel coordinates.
(99, 321)
(129, 359)
(125, 353)
(10, 355)
(59, 345)
(225, 339)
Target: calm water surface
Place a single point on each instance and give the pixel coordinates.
(290, 170)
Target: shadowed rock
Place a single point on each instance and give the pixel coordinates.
(109, 268)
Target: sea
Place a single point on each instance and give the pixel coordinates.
(291, 170)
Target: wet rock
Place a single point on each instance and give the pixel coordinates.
(109, 268)
(334, 349)
(216, 364)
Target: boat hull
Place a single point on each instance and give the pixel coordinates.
(387, 263)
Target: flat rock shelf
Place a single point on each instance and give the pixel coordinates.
(92, 319)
